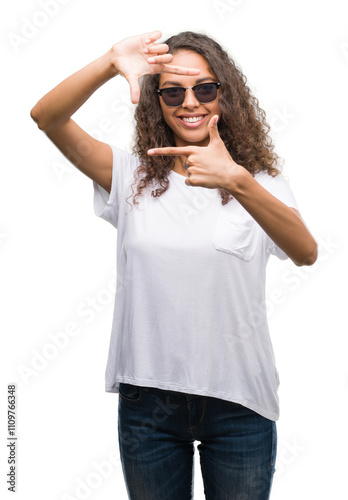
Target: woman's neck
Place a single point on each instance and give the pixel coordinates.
(179, 165)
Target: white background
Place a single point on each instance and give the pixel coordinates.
(56, 254)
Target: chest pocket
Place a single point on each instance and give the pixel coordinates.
(236, 233)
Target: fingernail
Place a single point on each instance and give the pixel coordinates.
(150, 151)
(151, 60)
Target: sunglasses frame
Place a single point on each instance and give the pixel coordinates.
(218, 85)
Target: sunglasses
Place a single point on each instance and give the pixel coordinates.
(175, 96)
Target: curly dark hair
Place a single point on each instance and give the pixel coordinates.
(242, 125)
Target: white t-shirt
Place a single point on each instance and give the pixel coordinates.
(190, 313)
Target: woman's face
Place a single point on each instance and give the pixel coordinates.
(189, 133)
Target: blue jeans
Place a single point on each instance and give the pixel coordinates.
(157, 430)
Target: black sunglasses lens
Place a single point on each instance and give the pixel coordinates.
(174, 96)
(206, 92)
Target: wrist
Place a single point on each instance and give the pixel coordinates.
(236, 179)
(111, 62)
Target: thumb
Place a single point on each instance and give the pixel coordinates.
(213, 129)
(134, 88)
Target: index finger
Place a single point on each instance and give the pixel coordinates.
(170, 151)
(180, 70)
(152, 37)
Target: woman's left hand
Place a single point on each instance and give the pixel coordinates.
(210, 166)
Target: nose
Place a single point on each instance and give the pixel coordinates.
(190, 100)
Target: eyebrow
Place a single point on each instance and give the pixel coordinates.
(200, 80)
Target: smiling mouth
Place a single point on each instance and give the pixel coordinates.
(192, 120)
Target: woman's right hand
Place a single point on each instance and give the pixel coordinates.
(140, 55)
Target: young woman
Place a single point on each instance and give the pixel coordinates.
(190, 353)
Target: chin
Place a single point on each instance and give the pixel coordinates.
(195, 138)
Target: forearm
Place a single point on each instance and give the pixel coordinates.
(282, 224)
(57, 106)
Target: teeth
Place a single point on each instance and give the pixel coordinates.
(192, 119)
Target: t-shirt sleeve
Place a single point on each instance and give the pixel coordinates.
(279, 187)
(107, 205)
